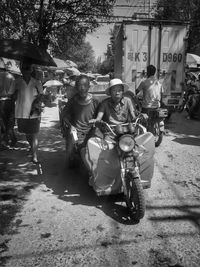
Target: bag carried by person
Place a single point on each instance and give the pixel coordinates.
(38, 104)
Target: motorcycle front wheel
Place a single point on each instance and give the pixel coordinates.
(157, 134)
(135, 199)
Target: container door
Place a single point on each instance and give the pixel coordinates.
(136, 53)
(172, 60)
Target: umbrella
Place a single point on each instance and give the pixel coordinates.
(71, 63)
(91, 76)
(20, 50)
(59, 72)
(61, 64)
(53, 83)
(10, 65)
(72, 71)
(192, 59)
(193, 74)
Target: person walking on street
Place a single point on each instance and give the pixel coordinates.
(7, 106)
(27, 88)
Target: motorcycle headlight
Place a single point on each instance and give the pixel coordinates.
(126, 143)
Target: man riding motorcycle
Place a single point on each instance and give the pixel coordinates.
(151, 90)
(117, 108)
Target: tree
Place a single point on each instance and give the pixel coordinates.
(39, 20)
(84, 57)
(107, 65)
(185, 11)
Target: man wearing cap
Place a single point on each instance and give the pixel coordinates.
(117, 108)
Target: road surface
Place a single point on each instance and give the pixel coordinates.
(51, 217)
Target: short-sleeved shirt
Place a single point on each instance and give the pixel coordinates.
(151, 89)
(117, 113)
(26, 93)
(79, 114)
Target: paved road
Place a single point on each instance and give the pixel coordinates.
(51, 217)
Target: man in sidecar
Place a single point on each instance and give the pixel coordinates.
(75, 120)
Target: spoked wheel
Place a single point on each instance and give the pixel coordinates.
(157, 134)
(135, 200)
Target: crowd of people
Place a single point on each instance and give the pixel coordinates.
(81, 110)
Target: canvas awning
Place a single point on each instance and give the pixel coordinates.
(192, 60)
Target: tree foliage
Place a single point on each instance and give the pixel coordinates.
(107, 66)
(40, 20)
(185, 11)
(83, 55)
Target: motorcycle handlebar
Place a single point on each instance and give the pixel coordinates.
(111, 126)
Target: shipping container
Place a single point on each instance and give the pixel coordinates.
(160, 43)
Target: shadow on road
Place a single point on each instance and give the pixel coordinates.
(72, 186)
(178, 124)
(189, 214)
(191, 141)
(17, 174)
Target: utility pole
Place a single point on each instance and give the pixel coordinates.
(149, 8)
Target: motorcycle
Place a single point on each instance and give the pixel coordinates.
(191, 90)
(191, 102)
(154, 121)
(121, 162)
(193, 106)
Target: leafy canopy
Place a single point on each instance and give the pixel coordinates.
(40, 20)
(182, 10)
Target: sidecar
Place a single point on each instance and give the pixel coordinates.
(105, 164)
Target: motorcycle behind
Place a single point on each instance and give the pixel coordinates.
(187, 95)
(121, 162)
(193, 106)
(155, 123)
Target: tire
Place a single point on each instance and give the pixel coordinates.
(159, 140)
(157, 134)
(135, 199)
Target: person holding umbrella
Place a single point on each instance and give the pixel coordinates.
(27, 88)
